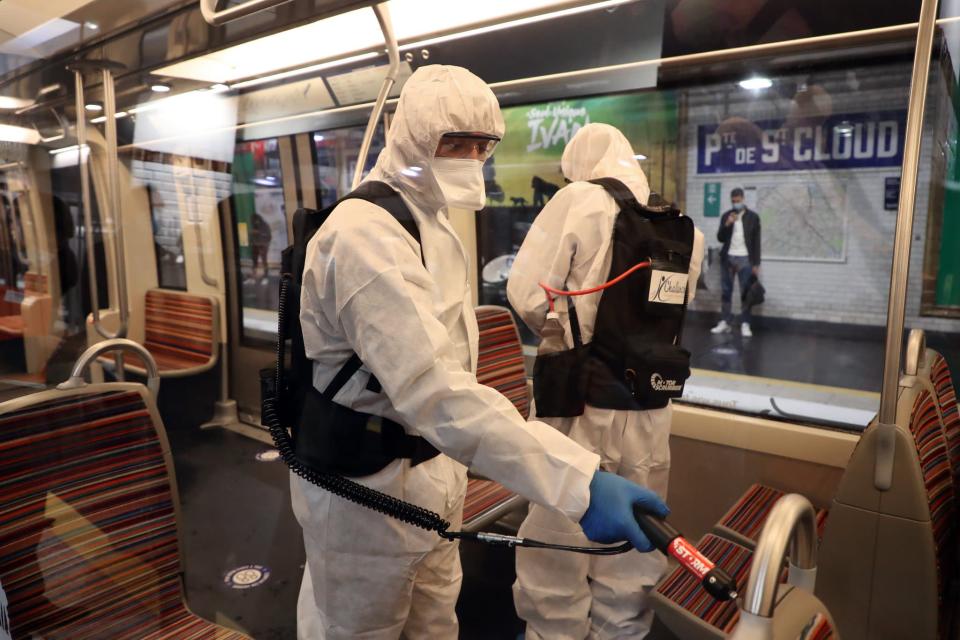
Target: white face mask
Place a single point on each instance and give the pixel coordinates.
(461, 181)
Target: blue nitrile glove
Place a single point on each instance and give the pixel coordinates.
(609, 518)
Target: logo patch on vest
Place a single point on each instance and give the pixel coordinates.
(659, 383)
(667, 287)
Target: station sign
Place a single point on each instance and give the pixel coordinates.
(841, 141)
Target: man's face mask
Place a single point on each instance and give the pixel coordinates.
(458, 168)
(739, 206)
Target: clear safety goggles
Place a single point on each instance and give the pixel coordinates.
(468, 145)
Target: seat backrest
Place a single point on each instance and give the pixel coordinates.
(179, 327)
(946, 397)
(88, 525)
(500, 361)
(886, 554)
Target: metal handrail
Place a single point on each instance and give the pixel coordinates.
(916, 352)
(112, 210)
(208, 8)
(900, 270)
(393, 52)
(792, 521)
(76, 379)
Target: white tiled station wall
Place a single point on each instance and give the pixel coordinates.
(851, 291)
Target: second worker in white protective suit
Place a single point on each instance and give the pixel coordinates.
(370, 289)
(569, 246)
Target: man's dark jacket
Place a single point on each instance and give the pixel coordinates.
(751, 234)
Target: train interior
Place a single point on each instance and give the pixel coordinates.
(153, 154)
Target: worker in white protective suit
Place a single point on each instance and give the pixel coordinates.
(408, 316)
(569, 246)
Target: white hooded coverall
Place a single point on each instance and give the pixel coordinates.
(569, 246)
(365, 289)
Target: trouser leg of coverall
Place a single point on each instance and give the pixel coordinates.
(552, 592)
(372, 577)
(620, 585)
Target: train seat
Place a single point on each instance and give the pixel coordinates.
(744, 520)
(181, 332)
(886, 557)
(499, 365)
(89, 543)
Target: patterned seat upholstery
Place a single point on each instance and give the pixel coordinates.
(938, 480)
(500, 361)
(499, 365)
(179, 332)
(946, 396)
(89, 546)
(745, 519)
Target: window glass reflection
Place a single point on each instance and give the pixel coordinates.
(261, 231)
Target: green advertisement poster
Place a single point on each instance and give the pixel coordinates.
(527, 162)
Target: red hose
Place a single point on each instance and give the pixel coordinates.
(550, 291)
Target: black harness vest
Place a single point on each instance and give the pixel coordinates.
(635, 361)
(328, 436)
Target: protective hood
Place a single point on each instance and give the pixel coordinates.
(601, 151)
(437, 99)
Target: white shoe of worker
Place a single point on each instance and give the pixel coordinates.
(403, 581)
(552, 592)
(745, 330)
(722, 327)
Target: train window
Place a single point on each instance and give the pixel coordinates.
(336, 160)
(167, 241)
(816, 156)
(261, 233)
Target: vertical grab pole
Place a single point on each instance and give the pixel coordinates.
(900, 270)
(85, 201)
(116, 215)
(386, 26)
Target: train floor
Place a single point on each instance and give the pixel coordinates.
(236, 513)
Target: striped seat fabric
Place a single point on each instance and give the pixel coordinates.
(500, 362)
(745, 519)
(178, 329)
(938, 481)
(684, 590)
(483, 495)
(499, 365)
(947, 399)
(178, 332)
(88, 531)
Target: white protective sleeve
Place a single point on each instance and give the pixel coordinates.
(384, 305)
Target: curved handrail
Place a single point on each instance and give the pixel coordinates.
(208, 8)
(792, 522)
(393, 52)
(76, 379)
(916, 351)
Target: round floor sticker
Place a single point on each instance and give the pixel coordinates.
(246, 577)
(270, 455)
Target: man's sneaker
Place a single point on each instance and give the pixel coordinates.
(745, 330)
(722, 327)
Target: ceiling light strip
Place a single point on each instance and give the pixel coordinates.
(509, 24)
(243, 84)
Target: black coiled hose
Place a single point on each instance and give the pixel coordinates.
(370, 498)
(338, 485)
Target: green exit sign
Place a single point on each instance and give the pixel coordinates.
(711, 200)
